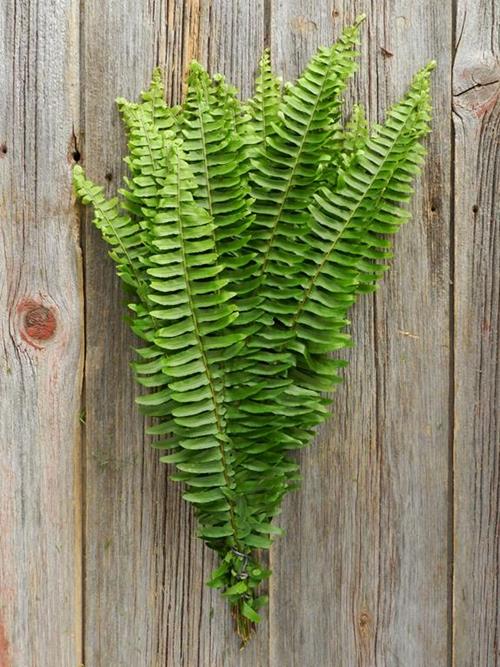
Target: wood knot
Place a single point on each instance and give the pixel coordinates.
(40, 323)
(303, 25)
(37, 322)
(364, 623)
(477, 88)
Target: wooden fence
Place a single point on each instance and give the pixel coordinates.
(392, 549)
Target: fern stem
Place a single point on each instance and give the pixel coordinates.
(205, 169)
(263, 99)
(243, 626)
(207, 175)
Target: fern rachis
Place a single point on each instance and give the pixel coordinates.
(244, 233)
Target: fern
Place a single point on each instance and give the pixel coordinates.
(243, 234)
(265, 105)
(287, 170)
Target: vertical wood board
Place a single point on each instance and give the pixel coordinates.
(374, 587)
(476, 119)
(41, 323)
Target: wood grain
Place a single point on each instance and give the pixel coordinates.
(393, 546)
(362, 577)
(476, 94)
(41, 337)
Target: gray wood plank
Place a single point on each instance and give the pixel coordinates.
(361, 578)
(41, 304)
(232, 36)
(145, 598)
(476, 117)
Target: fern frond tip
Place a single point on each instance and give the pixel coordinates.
(361, 18)
(157, 76)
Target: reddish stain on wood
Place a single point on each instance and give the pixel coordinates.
(301, 24)
(484, 108)
(4, 647)
(38, 322)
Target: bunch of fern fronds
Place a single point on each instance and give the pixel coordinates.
(244, 233)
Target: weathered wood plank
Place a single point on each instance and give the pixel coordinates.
(232, 36)
(145, 598)
(361, 578)
(476, 118)
(41, 343)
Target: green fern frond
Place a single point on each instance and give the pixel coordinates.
(346, 253)
(198, 313)
(244, 233)
(184, 269)
(148, 123)
(344, 148)
(215, 153)
(118, 230)
(343, 237)
(284, 176)
(264, 106)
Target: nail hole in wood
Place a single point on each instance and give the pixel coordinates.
(475, 208)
